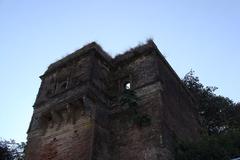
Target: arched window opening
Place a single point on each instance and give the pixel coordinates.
(127, 85)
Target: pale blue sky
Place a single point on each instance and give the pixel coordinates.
(200, 34)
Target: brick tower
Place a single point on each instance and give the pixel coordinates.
(78, 114)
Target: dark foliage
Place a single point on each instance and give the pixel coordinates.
(10, 150)
(5, 153)
(232, 116)
(214, 147)
(220, 118)
(129, 97)
(215, 110)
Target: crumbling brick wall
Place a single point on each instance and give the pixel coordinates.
(78, 114)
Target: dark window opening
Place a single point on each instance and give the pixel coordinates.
(64, 85)
(52, 81)
(49, 118)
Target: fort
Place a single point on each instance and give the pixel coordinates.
(78, 114)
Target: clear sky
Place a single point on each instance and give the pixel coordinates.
(203, 35)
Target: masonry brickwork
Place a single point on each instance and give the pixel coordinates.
(78, 115)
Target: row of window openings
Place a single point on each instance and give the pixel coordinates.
(127, 85)
(64, 85)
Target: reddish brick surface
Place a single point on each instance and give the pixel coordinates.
(78, 115)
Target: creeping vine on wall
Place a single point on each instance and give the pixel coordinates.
(129, 98)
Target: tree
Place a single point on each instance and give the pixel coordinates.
(10, 150)
(5, 153)
(211, 107)
(233, 117)
(221, 119)
(219, 147)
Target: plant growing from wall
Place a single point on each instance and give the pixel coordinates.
(129, 98)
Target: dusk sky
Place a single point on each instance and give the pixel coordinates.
(203, 35)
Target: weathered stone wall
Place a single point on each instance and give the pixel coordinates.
(78, 114)
(62, 125)
(74, 74)
(131, 141)
(99, 88)
(64, 133)
(180, 115)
